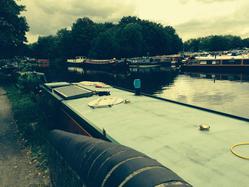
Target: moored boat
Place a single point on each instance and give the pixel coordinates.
(109, 64)
(78, 61)
(218, 63)
(96, 64)
(149, 64)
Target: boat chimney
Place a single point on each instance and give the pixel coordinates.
(137, 86)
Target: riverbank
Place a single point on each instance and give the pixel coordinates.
(23, 150)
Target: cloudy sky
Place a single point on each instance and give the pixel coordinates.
(190, 18)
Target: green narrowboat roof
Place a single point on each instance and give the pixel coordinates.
(170, 133)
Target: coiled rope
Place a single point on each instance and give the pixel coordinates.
(237, 154)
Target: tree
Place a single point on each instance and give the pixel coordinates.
(131, 40)
(64, 44)
(12, 28)
(45, 47)
(175, 42)
(83, 33)
(214, 43)
(154, 37)
(246, 42)
(131, 37)
(105, 46)
(129, 19)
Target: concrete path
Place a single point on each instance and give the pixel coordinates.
(16, 168)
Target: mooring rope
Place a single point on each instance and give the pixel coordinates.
(237, 154)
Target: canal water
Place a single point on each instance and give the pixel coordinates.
(227, 93)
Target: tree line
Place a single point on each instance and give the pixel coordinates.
(216, 43)
(130, 37)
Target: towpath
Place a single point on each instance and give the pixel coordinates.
(16, 168)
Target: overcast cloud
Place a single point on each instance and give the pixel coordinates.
(191, 18)
(235, 23)
(47, 16)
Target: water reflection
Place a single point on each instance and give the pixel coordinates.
(152, 83)
(231, 77)
(223, 92)
(76, 70)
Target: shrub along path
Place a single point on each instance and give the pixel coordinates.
(16, 166)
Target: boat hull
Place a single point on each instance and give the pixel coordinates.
(66, 119)
(106, 67)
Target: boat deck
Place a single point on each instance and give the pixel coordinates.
(170, 133)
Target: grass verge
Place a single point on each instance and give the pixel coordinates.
(30, 122)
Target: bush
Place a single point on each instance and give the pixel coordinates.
(30, 81)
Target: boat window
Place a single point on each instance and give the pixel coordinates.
(193, 62)
(231, 61)
(203, 62)
(237, 61)
(246, 61)
(215, 62)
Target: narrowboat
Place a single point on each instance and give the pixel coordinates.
(175, 60)
(109, 64)
(193, 142)
(76, 62)
(218, 63)
(42, 63)
(149, 64)
(95, 64)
